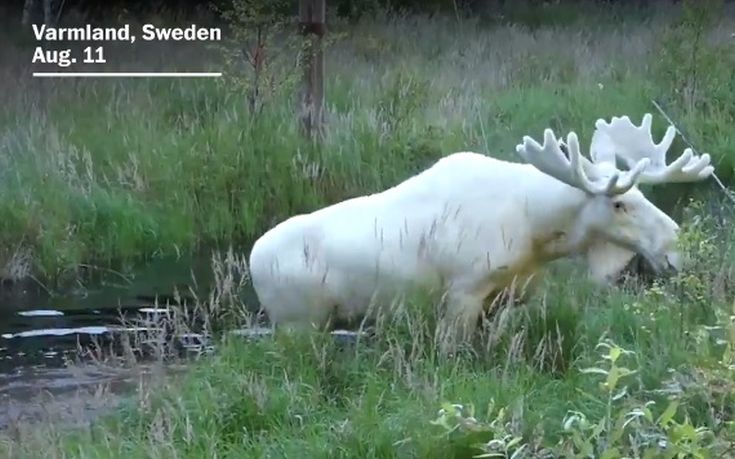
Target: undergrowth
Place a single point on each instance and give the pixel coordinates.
(109, 173)
(576, 371)
(118, 171)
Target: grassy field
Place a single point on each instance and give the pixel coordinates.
(578, 371)
(111, 172)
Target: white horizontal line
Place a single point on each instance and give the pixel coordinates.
(126, 74)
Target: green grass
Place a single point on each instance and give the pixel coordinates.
(309, 396)
(112, 172)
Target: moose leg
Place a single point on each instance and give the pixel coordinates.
(460, 319)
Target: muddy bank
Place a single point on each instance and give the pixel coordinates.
(74, 396)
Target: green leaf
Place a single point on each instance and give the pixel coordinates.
(612, 453)
(615, 374)
(626, 371)
(614, 354)
(612, 379)
(687, 431)
(598, 429)
(647, 413)
(668, 414)
(618, 429)
(514, 442)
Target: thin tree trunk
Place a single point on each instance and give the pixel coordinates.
(48, 14)
(29, 7)
(312, 16)
(36, 10)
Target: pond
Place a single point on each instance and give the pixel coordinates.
(41, 335)
(56, 348)
(66, 357)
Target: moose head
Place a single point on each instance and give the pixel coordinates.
(615, 220)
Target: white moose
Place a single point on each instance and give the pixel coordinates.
(471, 225)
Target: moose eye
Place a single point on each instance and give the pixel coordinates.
(619, 206)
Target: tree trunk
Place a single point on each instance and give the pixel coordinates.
(35, 11)
(312, 16)
(48, 12)
(29, 7)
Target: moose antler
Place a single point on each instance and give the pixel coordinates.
(621, 138)
(549, 159)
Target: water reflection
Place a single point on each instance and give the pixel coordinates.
(57, 345)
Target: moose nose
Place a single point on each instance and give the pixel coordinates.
(673, 260)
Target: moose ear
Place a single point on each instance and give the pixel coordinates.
(606, 261)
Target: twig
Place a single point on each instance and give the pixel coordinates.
(107, 270)
(41, 284)
(722, 186)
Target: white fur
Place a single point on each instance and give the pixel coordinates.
(468, 224)
(472, 225)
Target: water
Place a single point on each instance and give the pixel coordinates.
(43, 374)
(40, 334)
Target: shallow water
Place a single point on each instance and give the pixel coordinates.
(60, 355)
(53, 347)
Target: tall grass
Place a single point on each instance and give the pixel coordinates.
(531, 385)
(110, 172)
